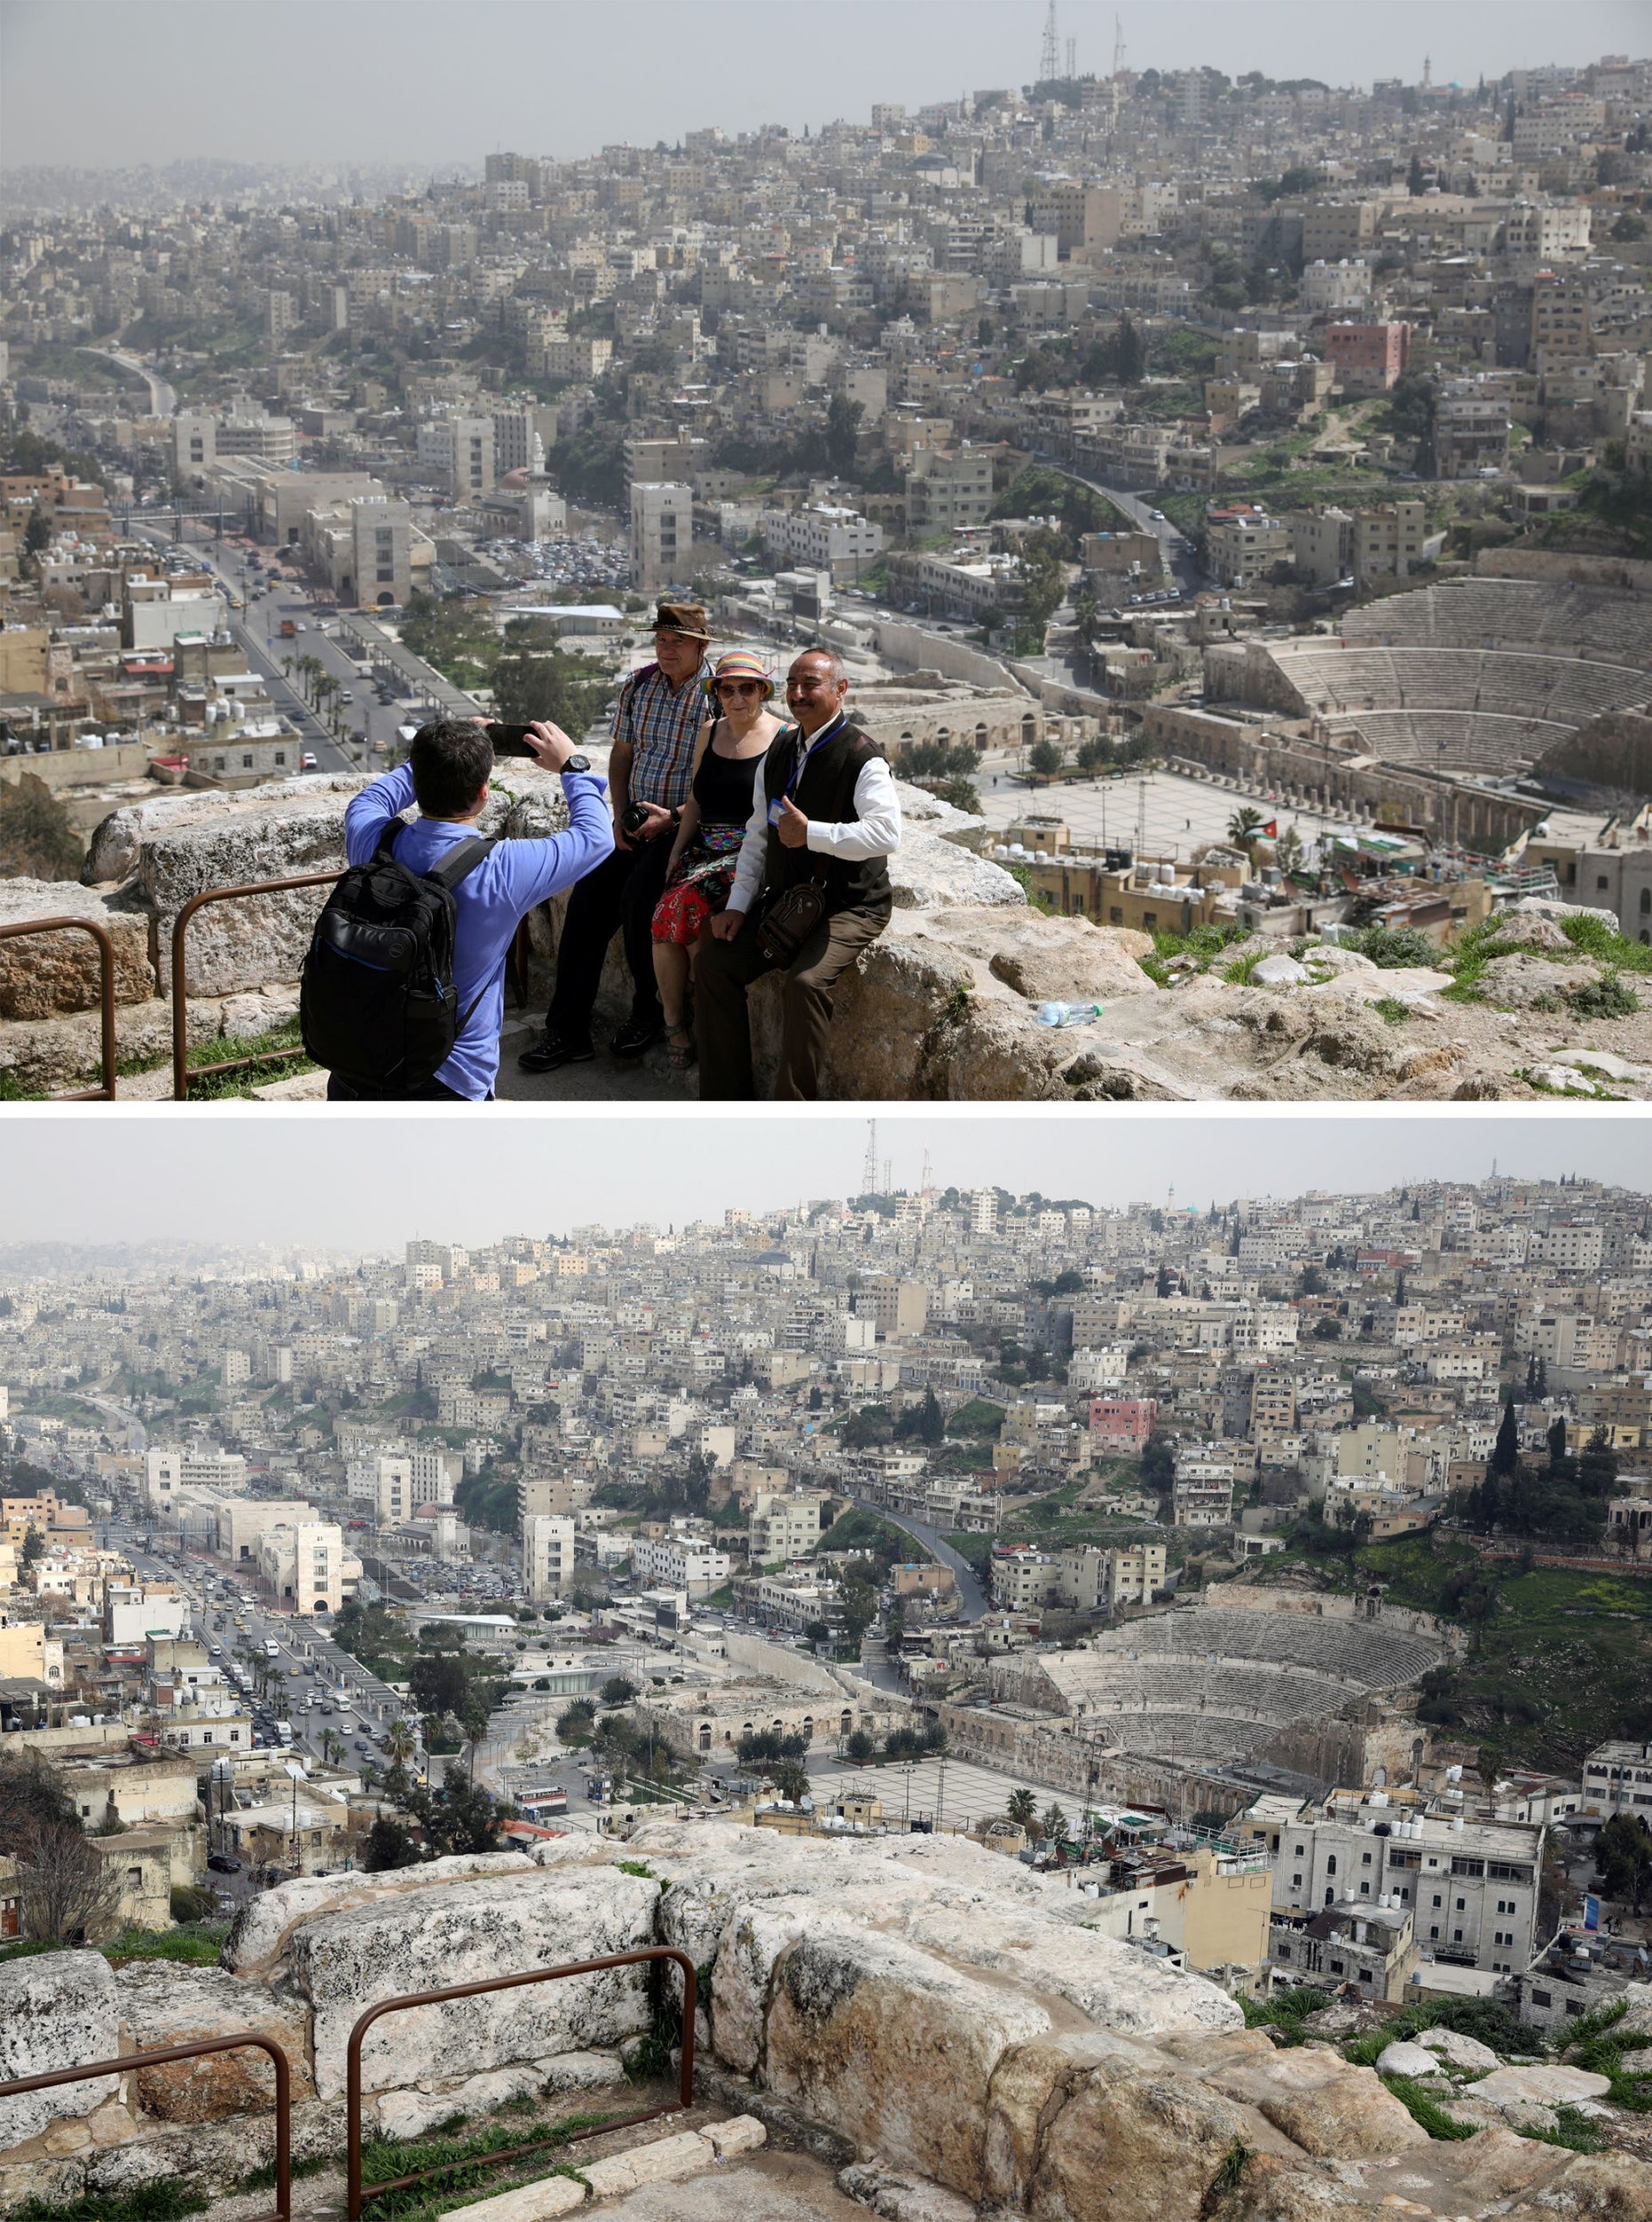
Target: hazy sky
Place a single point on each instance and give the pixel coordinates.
(89, 82)
(372, 1182)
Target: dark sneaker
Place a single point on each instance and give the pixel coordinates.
(551, 1050)
(636, 1035)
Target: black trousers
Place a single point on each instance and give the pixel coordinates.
(618, 896)
(341, 1091)
(723, 972)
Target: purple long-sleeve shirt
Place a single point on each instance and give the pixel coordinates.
(491, 901)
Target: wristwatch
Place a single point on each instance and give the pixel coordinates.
(578, 764)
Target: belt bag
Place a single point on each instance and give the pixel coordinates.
(789, 921)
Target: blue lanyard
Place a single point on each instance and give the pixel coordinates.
(820, 738)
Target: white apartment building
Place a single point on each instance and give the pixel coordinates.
(1137, 1575)
(460, 451)
(822, 537)
(1618, 1778)
(662, 533)
(784, 1526)
(1203, 1492)
(1470, 1886)
(675, 1561)
(547, 1554)
(162, 1479)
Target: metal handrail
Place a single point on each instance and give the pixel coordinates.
(182, 1070)
(353, 2103)
(197, 2048)
(106, 993)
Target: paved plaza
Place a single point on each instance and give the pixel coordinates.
(953, 1793)
(1165, 814)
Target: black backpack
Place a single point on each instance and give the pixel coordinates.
(376, 1001)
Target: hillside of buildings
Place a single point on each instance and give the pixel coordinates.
(1220, 1567)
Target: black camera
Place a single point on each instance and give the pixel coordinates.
(634, 818)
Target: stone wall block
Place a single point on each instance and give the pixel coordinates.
(44, 975)
(164, 2003)
(266, 1924)
(464, 1932)
(893, 2049)
(59, 2009)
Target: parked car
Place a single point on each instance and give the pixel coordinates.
(223, 1863)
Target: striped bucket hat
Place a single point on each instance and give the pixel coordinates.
(739, 663)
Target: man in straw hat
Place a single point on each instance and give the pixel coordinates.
(649, 772)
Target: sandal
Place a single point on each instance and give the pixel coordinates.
(680, 1050)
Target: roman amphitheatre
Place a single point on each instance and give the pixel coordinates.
(1473, 677)
(1268, 1686)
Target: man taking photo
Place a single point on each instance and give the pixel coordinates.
(650, 769)
(446, 774)
(826, 817)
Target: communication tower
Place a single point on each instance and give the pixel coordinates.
(869, 1174)
(1049, 61)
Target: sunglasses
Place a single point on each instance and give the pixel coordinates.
(738, 686)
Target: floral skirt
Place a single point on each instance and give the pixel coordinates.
(699, 886)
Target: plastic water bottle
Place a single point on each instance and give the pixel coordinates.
(1067, 1014)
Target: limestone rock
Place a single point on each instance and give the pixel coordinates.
(1521, 982)
(1407, 2059)
(1345, 2018)
(263, 1926)
(927, 872)
(531, 2203)
(1330, 958)
(464, 1932)
(1637, 2019)
(1068, 960)
(1454, 2047)
(1524, 929)
(898, 2195)
(410, 2113)
(922, 812)
(57, 2009)
(1551, 2084)
(1134, 2147)
(892, 2047)
(1328, 2107)
(164, 2003)
(1638, 2063)
(44, 975)
(1280, 972)
(1104, 1979)
(1593, 2187)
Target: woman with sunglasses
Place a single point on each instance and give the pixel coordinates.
(727, 752)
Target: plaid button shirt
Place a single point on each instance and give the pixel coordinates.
(660, 723)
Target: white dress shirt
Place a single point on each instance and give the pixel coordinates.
(875, 832)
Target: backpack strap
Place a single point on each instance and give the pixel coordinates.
(460, 861)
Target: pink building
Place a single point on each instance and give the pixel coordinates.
(1122, 1423)
(1368, 358)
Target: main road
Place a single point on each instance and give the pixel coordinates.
(163, 397)
(971, 1594)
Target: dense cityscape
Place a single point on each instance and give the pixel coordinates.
(734, 1515)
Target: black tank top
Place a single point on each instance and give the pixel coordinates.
(724, 788)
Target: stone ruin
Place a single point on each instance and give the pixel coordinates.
(911, 2024)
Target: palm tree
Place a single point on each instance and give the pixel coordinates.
(791, 1781)
(1243, 828)
(476, 1723)
(331, 1746)
(400, 1743)
(1022, 1809)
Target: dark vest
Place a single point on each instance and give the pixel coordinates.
(826, 791)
